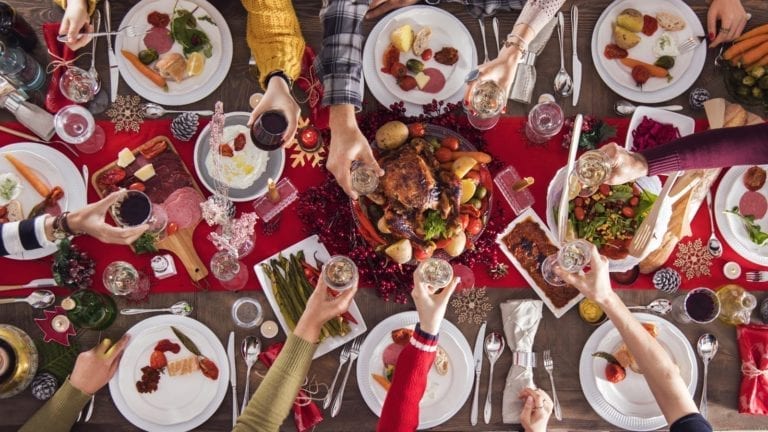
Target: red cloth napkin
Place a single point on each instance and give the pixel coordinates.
(753, 349)
(306, 414)
(54, 100)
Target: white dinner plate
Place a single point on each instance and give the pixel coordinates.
(274, 170)
(618, 77)
(311, 247)
(729, 193)
(444, 395)
(684, 124)
(57, 170)
(630, 404)
(191, 89)
(181, 403)
(554, 191)
(447, 29)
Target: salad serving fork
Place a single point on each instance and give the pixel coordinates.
(757, 276)
(354, 351)
(343, 358)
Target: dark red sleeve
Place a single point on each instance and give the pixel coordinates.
(401, 407)
(716, 148)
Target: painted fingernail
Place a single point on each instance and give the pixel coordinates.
(711, 36)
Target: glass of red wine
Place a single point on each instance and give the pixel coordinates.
(700, 306)
(133, 209)
(267, 131)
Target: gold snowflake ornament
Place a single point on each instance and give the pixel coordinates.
(126, 113)
(300, 157)
(693, 259)
(471, 305)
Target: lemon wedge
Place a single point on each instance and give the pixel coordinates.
(195, 64)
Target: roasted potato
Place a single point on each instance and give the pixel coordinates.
(402, 38)
(456, 245)
(625, 38)
(401, 252)
(391, 135)
(630, 19)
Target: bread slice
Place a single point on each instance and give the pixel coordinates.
(421, 40)
(14, 211)
(441, 361)
(670, 22)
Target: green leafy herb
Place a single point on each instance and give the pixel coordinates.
(8, 186)
(186, 341)
(184, 31)
(756, 234)
(434, 226)
(145, 243)
(607, 357)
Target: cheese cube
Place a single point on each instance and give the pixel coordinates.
(421, 79)
(145, 173)
(125, 158)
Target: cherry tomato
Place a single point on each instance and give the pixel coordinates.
(398, 70)
(475, 226)
(578, 202)
(157, 360)
(628, 212)
(416, 130)
(650, 25)
(443, 154)
(137, 186)
(613, 51)
(407, 83)
(634, 201)
(391, 56)
(421, 254)
(605, 189)
(579, 213)
(450, 142)
(240, 141)
(640, 75)
(426, 55)
(226, 151)
(171, 228)
(464, 220)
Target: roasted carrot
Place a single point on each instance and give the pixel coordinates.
(762, 62)
(658, 72)
(479, 156)
(383, 381)
(29, 175)
(759, 30)
(743, 46)
(755, 54)
(145, 70)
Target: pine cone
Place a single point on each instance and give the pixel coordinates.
(697, 98)
(44, 386)
(667, 280)
(184, 127)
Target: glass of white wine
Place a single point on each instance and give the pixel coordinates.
(365, 178)
(340, 273)
(122, 279)
(592, 169)
(436, 272)
(572, 257)
(486, 104)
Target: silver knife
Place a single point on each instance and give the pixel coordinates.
(232, 375)
(576, 63)
(37, 283)
(478, 357)
(496, 34)
(114, 73)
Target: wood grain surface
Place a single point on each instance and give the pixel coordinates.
(565, 337)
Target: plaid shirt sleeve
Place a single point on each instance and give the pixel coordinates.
(485, 8)
(340, 63)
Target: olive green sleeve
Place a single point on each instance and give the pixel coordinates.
(59, 413)
(274, 398)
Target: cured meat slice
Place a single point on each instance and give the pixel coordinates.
(436, 80)
(753, 204)
(159, 39)
(183, 207)
(391, 353)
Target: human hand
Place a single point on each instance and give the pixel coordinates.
(625, 165)
(76, 19)
(429, 304)
(94, 368)
(321, 307)
(90, 220)
(380, 7)
(348, 144)
(278, 97)
(536, 411)
(595, 284)
(732, 17)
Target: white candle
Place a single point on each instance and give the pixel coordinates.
(60, 323)
(269, 329)
(732, 270)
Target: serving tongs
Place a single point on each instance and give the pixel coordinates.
(650, 233)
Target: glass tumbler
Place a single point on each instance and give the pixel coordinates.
(544, 122)
(76, 125)
(700, 306)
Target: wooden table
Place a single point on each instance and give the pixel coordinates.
(564, 337)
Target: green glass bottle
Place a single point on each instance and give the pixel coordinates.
(90, 310)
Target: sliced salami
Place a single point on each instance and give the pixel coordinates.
(436, 80)
(159, 39)
(753, 204)
(391, 353)
(183, 207)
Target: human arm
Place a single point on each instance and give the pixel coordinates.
(76, 15)
(93, 370)
(732, 17)
(400, 412)
(660, 371)
(348, 144)
(274, 398)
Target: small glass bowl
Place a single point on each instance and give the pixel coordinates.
(246, 302)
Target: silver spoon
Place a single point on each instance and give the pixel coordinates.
(627, 108)
(153, 111)
(707, 348)
(714, 246)
(39, 299)
(250, 348)
(563, 81)
(494, 346)
(181, 308)
(660, 306)
(92, 70)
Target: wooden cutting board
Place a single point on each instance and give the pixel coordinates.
(180, 242)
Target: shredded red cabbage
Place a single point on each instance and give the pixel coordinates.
(650, 133)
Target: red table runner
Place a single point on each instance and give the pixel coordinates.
(506, 142)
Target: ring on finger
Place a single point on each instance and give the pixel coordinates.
(724, 29)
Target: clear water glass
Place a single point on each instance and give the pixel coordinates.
(544, 122)
(592, 169)
(76, 125)
(229, 271)
(486, 104)
(436, 272)
(572, 258)
(77, 85)
(365, 178)
(122, 279)
(340, 273)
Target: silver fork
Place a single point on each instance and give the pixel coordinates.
(342, 360)
(130, 31)
(757, 276)
(353, 353)
(689, 44)
(549, 365)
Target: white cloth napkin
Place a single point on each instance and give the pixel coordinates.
(521, 321)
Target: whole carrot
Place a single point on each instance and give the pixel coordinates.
(29, 175)
(743, 46)
(145, 70)
(654, 70)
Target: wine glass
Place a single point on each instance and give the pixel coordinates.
(135, 208)
(340, 273)
(78, 85)
(486, 104)
(365, 178)
(435, 272)
(591, 170)
(572, 257)
(228, 270)
(544, 121)
(122, 279)
(76, 125)
(267, 131)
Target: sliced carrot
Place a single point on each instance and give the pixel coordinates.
(759, 30)
(479, 156)
(383, 381)
(658, 72)
(145, 70)
(743, 46)
(29, 175)
(755, 54)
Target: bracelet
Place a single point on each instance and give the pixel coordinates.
(59, 233)
(65, 225)
(521, 45)
(280, 74)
